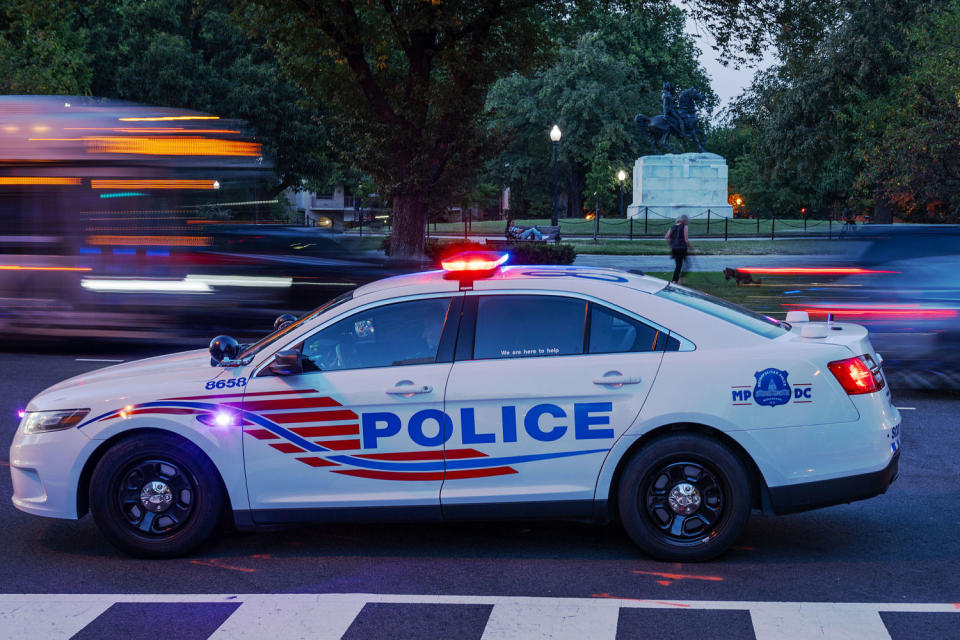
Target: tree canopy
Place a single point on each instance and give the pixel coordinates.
(864, 116)
(592, 89)
(39, 51)
(405, 82)
(177, 53)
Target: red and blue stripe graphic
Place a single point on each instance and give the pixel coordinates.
(289, 421)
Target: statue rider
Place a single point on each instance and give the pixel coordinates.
(670, 109)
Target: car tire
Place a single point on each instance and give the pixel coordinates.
(684, 498)
(156, 496)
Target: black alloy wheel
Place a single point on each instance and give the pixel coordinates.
(156, 496)
(684, 498)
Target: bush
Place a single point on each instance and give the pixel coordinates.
(520, 252)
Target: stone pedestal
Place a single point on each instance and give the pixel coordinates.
(670, 185)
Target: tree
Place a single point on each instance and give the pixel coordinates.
(176, 53)
(192, 54)
(40, 52)
(805, 116)
(404, 84)
(908, 143)
(591, 90)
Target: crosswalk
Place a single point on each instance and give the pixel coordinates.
(355, 616)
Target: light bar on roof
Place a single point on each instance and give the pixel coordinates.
(474, 261)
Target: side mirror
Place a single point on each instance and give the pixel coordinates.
(283, 320)
(286, 363)
(223, 347)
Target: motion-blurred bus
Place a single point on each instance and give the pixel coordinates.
(121, 220)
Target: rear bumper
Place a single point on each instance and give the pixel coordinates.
(824, 493)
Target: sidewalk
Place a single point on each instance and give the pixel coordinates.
(707, 263)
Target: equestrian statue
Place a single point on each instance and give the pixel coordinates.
(679, 118)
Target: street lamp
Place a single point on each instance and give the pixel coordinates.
(621, 176)
(555, 136)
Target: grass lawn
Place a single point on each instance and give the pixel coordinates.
(764, 298)
(655, 227)
(712, 248)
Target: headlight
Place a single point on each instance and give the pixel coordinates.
(43, 421)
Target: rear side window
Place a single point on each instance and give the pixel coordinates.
(525, 326)
(732, 313)
(613, 332)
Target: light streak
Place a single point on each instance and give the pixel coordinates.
(239, 204)
(134, 285)
(179, 241)
(241, 281)
(163, 146)
(122, 194)
(17, 267)
(891, 311)
(37, 180)
(163, 118)
(819, 271)
(151, 130)
(154, 184)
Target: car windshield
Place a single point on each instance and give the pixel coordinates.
(279, 333)
(732, 313)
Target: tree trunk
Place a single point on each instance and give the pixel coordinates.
(409, 220)
(882, 212)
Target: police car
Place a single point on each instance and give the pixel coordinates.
(480, 391)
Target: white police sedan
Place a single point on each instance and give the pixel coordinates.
(479, 391)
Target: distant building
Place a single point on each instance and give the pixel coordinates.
(324, 210)
(333, 210)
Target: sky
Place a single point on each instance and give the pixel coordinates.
(727, 82)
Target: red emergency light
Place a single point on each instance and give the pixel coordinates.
(475, 262)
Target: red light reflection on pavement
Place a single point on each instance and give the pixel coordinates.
(612, 597)
(680, 576)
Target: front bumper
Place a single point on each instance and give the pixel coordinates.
(45, 469)
(824, 493)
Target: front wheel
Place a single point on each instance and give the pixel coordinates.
(684, 498)
(156, 496)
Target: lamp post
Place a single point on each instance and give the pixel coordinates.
(621, 176)
(555, 136)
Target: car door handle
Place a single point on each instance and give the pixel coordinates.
(409, 389)
(617, 380)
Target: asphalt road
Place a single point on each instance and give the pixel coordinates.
(899, 553)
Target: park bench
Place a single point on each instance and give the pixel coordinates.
(547, 231)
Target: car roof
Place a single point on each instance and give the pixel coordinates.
(557, 277)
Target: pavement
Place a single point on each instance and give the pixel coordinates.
(880, 568)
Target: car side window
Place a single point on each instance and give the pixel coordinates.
(613, 332)
(526, 326)
(396, 334)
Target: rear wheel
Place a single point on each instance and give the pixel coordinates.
(156, 496)
(684, 498)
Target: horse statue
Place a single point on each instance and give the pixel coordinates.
(683, 125)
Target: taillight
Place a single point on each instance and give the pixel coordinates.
(857, 375)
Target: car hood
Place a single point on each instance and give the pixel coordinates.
(122, 383)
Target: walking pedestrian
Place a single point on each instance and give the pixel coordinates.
(678, 237)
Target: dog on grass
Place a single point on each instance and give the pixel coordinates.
(741, 278)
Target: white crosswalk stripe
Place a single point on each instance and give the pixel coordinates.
(329, 616)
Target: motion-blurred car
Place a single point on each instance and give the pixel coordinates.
(904, 287)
